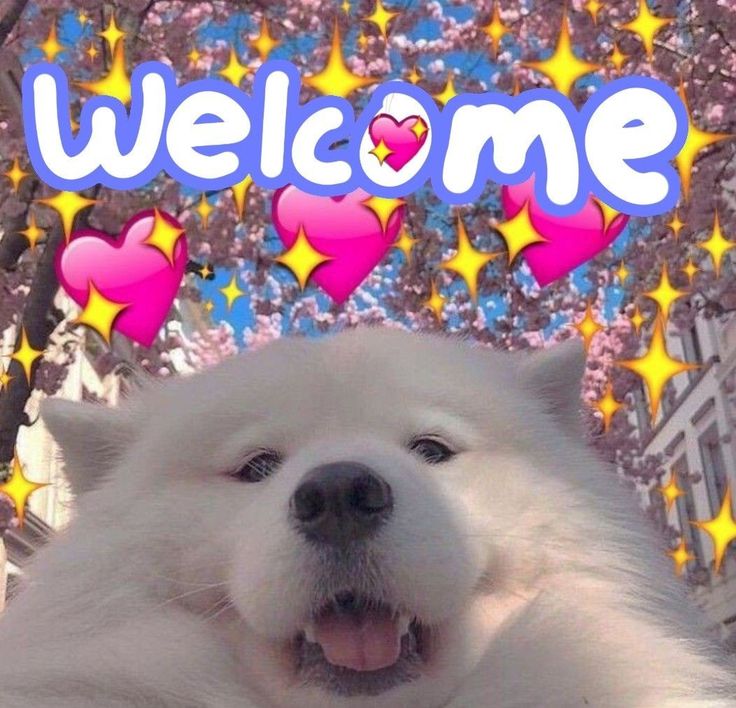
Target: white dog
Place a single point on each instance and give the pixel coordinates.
(375, 519)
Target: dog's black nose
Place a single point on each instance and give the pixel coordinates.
(341, 502)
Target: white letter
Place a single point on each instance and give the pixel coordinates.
(101, 149)
(609, 143)
(184, 134)
(305, 142)
(275, 106)
(512, 135)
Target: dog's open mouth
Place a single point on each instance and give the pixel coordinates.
(356, 645)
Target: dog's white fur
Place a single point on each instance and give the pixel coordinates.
(179, 586)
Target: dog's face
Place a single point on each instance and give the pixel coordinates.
(356, 516)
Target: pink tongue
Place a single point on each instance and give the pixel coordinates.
(365, 642)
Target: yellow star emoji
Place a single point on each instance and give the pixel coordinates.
(405, 243)
(381, 151)
(609, 214)
(100, 313)
(92, 52)
(414, 76)
(618, 58)
(671, 491)
(690, 270)
(519, 232)
(676, 225)
(116, 82)
(336, 79)
(593, 7)
(232, 291)
(345, 7)
(234, 71)
(16, 175)
(67, 205)
(112, 34)
(646, 25)
(26, 355)
(681, 556)
(240, 193)
(383, 208)
(82, 18)
(588, 327)
(18, 488)
(5, 378)
(419, 128)
(264, 43)
(656, 367)
(721, 529)
(696, 141)
(563, 68)
(664, 294)
(209, 306)
(206, 271)
(33, 233)
(381, 17)
(637, 319)
(50, 46)
(302, 258)
(607, 406)
(468, 262)
(435, 302)
(194, 55)
(204, 209)
(495, 29)
(622, 273)
(448, 93)
(164, 236)
(362, 41)
(717, 245)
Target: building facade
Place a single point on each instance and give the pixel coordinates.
(693, 437)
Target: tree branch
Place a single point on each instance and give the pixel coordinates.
(10, 19)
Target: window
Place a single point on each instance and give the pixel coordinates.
(714, 467)
(692, 350)
(669, 398)
(686, 511)
(641, 406)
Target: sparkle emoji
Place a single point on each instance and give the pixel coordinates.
(302, 258)
(717, 245)
(564, 67)
(681, 557)
(721, 529)
(656, 367)
(164, 236)
(336, 79)
(607, 406)
(671, 491)
(383, 208)
(647, 25)
(26, 355)
(468, 262)
(67, 205)
(18, 488)
(435, 301)
(232, 292)
(100, 313)
(588, 327)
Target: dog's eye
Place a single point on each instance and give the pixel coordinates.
(431, 449)
(259, 465)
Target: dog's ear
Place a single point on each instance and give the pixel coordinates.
(92, 437)
(555, 375)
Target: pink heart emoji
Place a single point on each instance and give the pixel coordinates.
(400, 138)
(343, 228)
(125, 270)
(571, 240)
